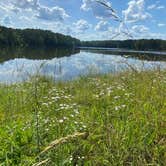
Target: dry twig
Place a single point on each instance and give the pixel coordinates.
(64, 140)
(41, 162)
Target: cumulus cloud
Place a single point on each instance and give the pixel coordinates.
(87, 5)
(139, 29)
(52, 14)
(55, 13)
(19, 5)
(135, 11)
(102, 26)
(25, 4)
(99, 10)
(82, 25)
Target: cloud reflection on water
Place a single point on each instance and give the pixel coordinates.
(67, 68)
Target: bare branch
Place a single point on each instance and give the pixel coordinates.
(113, 14)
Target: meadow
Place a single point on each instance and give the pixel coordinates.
(93, 121)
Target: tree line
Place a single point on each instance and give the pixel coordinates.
(10, 37)
(142, 44)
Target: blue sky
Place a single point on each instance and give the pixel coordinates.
(88, 19)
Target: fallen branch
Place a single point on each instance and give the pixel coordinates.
(64, 140)
(41, 162)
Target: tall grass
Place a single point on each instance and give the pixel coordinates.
(123, 118)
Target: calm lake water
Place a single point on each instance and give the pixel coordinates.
(67, 64)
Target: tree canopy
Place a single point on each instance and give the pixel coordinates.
(34, 38)
(142, 44)
(10, 37)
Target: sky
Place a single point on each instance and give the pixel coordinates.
(89, 19)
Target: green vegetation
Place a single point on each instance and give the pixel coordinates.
(34, 38)
(98, 120)
(43, 38)
(142, 44)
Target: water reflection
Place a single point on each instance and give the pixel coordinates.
(69, 67)
(35, 53)
(142, 55)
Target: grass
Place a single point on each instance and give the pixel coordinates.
(100, 120)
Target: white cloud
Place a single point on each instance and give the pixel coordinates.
(18, 5)
(102, 26)
(138, 29)
(143, 32)
(161, 25)
(3, 8)
(151, 35)
(155, 6)
(42, 12)
(25, 18)
(82, 25)
(135, 11)
(58, 27)
(161, 7)
(87, 4)
(52, 14)
(99, 10)
(25, 4)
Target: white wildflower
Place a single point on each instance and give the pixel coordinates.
(61, 121)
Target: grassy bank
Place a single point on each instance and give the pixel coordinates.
(99, 120)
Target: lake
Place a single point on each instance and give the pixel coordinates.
(66, 64)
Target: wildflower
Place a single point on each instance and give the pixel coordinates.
(45, 104)
(65, 118)
(46, 120)
(117, 108)
(109, 92)
(123, 106)
(127, 94)
(72, 115)
(71, 158)
(61, 121)
(96, 96)
(84, 126)
(116, 97)
(101, 94)
(76, 111)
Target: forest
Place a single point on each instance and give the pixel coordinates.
(141, 44)
(10, 37)
(34, 38)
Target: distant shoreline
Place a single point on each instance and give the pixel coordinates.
(123, 50)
